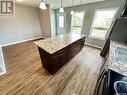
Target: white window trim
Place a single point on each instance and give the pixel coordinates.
(72, 20)
(95, 12)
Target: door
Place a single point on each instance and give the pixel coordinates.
(102, 84)
(61, 23)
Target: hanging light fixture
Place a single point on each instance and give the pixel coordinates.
(61, 8)
(72, 11)
(42, 5)
(19, 0)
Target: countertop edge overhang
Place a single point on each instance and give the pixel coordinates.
(115, 66)
(54, 44)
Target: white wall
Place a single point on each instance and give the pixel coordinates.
(53, 22)
(45, 22)
(25, 25)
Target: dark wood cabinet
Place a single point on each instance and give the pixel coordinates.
(53, 62)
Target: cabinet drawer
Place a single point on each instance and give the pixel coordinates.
(58, 54)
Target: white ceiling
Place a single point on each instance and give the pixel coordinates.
(56, 3)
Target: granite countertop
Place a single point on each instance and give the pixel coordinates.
(51, 45)
(113, 64)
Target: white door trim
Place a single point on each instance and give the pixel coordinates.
(3, 63)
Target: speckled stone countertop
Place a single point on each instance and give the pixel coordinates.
(52, 45)
(113, 65)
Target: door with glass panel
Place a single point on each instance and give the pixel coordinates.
(61, 23)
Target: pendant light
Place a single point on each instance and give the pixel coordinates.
(72, 11)
(19, 0)
(61, 8)
(42, 5)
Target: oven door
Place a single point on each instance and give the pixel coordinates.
(102, 84)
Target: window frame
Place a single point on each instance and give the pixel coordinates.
(72, 21)
(92, 26)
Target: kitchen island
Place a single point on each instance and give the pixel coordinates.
(57, 51)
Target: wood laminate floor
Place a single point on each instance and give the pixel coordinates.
(26, 76)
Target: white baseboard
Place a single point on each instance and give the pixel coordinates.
(20, 41)
(93, 46)
(2, 73)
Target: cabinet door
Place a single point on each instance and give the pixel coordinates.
(45, 57)
(82, 41)
(58, 60)
(70, 52)
(74, 49)
(55, 63)
(63, 56)
(60, 56)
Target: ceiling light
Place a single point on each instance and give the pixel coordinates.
(43, 6)
(19, 0)
(72, 12)
(61, 8)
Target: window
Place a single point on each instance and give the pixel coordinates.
(61, 21)
(102, 22)
(77, 21)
